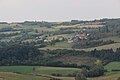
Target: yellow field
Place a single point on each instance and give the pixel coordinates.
(80, 26)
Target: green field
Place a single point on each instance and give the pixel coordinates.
(113, 46)
(63, 35)
(113, 66)
(58, 45)
(111, 77)
(38, 70)
(14, 76)
(65, 45)
(114, 38)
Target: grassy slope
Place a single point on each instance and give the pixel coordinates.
(114, 38)
(58, 45)
(114, 46)
(6, 72)
(14, 76)
(63, 35)
(80, 26)
(113, 66)
(39, 69)
(77, 60)
(112, 77)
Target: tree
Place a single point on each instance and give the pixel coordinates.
(97, 70)
(80, 77)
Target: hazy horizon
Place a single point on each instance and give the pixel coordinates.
(57, 10)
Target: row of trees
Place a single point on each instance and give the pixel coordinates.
(30, 55)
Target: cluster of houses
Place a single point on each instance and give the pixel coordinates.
(81, 37)
(69, 40)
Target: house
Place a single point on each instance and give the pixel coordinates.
(83, 36)
(77, 37)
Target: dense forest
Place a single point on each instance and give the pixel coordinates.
(30, 55)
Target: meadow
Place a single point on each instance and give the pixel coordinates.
(44, 73)
(38, 70)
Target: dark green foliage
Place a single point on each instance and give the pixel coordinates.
(19, 55)
(6, 29)
(97, 70)
(80, 76)
(55, 79)
(30, 55)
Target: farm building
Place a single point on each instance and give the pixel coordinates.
(83, 36)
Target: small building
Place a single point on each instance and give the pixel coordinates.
(83, 36)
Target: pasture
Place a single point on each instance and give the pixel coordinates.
(66, 45)
(38, 70)
(14, 76)
(113, 66)
(114, 38)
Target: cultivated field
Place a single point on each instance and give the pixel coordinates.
(81, 26)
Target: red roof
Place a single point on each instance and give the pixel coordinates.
(82, 36)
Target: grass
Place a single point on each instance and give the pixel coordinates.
(114, 38)
(80, 26)
(38, 70)
(59, 45)
(112, 77)
(27, 73)
(113, 46)
(14, 76)
(64, 35)
(66, 45)
(44, 29)
(9, 32)
(33, 33)
(28, 27)
(113, 66)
